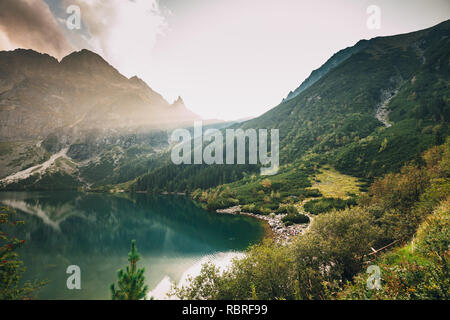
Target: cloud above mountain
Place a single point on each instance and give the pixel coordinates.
(31, 24)
(124, 32)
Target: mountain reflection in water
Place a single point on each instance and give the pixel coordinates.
(94, 231)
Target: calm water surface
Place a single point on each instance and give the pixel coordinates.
(94, 231)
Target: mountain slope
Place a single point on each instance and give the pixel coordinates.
(334, 120)
(340, 108)
(109, 125)
(331, 63)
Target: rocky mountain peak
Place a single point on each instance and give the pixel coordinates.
(179, 102)
(136, 81)
(26, 62)
(88, 62)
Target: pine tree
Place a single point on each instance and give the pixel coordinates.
(11, 267)
(131, 284)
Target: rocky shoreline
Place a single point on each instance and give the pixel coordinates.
(281, 233)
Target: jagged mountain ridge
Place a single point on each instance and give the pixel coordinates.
(38, 94)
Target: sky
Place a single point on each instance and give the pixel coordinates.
(227, 59)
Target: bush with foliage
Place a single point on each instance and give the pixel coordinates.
(256, 209)
(267, 272)
(322, 205)
(417, 271)
(291, 219)
(289, 209)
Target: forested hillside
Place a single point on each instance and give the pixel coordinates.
(377, 109)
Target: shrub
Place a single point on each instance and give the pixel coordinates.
(314, 193)
(248, 208)
(295, 219)
(214, 204)
(411, 274)
(317, 206)
(290, 209)
(267, 272)
(252, 208)
(336, 242)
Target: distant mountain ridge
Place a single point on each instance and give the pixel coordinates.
(38, 94)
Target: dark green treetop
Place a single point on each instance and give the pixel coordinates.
(131, 283)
